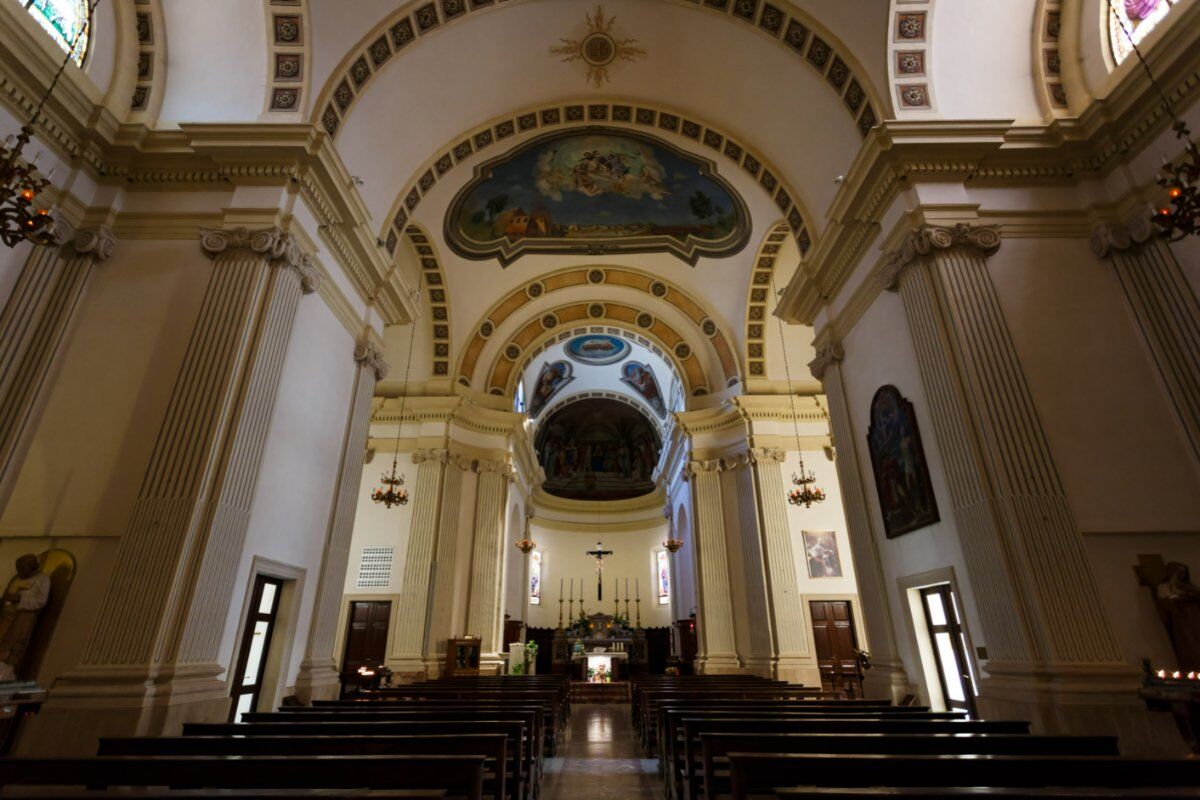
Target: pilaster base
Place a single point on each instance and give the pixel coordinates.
(887, 680)
(1080, 700)
(799, 670)
(88, 704)
(719, 664)
(317, 683)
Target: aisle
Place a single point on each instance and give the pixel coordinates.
(601, 760)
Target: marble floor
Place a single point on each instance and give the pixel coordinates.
(601, 759)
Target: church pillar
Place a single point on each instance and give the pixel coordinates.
(442, 617)
(886, 679)
(487, 560)
(153, 659)
(318, 675)
(33, 328)
(717, 652)
(1165, 309)
(1051, 654)
(408, 646)
(752, 611)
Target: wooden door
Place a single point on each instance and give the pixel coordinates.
(366, 639)
(836, 645)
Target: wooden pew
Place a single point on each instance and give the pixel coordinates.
(492, 746)
(760, 773)
(44, 793)
(1075, 793)
(460, 776)
(712, 779)
(651, 699)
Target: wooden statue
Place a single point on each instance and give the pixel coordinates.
(25, 597)
(1178, 603)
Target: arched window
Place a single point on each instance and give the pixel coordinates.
(519, 400)
(64, 20)
(1139, 17)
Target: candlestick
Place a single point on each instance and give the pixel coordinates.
(572, 589)
(560, 611)
(626, 607)
(571, 609)
(637, 589)
(639, 613)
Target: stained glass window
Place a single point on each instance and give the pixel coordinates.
(535, 578)
(1139, 17)
(664, 577)
(64, 20)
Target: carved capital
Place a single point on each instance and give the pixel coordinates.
(829, 352)
(930, 238)
(97, 242)
(60, 231)
(437, 456)
(700, 467)
(737, 461)
(368, 356)
(501, 468)
(1111, 237)
(767, 455)
(275, 244)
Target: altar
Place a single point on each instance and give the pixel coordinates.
(599, 640)
(597, 666)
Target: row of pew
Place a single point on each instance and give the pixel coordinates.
(743, 738)
(465, 738)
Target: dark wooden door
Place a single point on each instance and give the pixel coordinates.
(950, 647)
(836, 645)
(366, 639)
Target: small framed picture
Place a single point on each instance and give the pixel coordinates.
(821, 551)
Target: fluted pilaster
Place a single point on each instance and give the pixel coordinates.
(442, 615)
(318, 672)
(34, 327)
(1165, 309)
(714, 607)
(752, 592)
(487, 557)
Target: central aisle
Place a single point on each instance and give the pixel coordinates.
(601, 760)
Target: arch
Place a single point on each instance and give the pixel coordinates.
(434, 280)
(757, 298)
(289, 59)
(632, 115)
(613, 276)
(1047, 60)
(604, 394)
(562, 321)
(789, 26)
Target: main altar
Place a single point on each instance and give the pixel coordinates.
(599, 648)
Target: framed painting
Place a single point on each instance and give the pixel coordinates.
(902, 480)
(552, 377)
(821, 552)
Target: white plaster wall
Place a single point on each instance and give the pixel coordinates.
(826, 516)
(289, 518)
(685, 559)
(376, 526)
(513, 590)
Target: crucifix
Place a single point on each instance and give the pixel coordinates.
(599, 555)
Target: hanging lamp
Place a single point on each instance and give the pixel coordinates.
(392, 493)
(527, 544)
(804, 491)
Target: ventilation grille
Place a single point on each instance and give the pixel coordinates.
(375, 569)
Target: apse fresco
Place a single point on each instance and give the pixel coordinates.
(598, 449)
(553, 376)
(597, 349)
(596, 191)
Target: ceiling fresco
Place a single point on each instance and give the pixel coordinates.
(597, 191)
(598, 449)
(597, 349)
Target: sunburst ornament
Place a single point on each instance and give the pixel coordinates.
(599, 49)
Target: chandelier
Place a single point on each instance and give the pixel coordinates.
(391, 492)
(1180, 216)
(804, 489)
(672, 544)
(527, 544)
(20, 182)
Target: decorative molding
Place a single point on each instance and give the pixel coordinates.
(368, 355)
(502, 468)
(276, 244)
(1047, 58)
(766, 455)
(434, 279)
(150, 33)
(758, 297)
(289, 55)
(829, 352)
(928, 238)
(440, 456)
(1109, 237)
(701, 467)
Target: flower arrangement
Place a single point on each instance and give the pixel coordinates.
(672, 671)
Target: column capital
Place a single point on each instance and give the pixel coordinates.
(501, 468)
(96, 241)
(829, 352)
(279, 246)
(439, 456)
(701, 467)
(766, 455)
(367, 355)
(1111, 236)
(923, 240)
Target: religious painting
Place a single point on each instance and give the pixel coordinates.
(595, 191)
(898, 458)
(598, 449)
(663, 565)
(552, 377)
(640, 377)
(821, 551)
(597, 349)
(535, 578)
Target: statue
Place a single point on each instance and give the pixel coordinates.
(1178, 603)
(24, 599)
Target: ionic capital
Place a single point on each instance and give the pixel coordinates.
(701, 467)
(927, 239)
(98, 242)
(276, 244)
(829, 352)
(501, 468)
(1110, 237)
(367, 355)
(767, 455)
(438, 456)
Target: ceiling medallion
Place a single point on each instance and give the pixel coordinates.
(599, 48)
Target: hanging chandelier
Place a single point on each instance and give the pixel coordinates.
(804, 489)
(1179, 217)
(527, 544)
(20, 182)
(392, 493)
(672, 544)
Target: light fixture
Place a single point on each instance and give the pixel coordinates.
(1180, 215)
(527, 544)
(804, 490)
(392, 493)
(20, 182)
(672, 544)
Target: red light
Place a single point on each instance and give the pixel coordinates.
(1174, 192)
(27, 194)
(1164, 212)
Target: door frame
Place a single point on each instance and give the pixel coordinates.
(930, 686)
(387, 639)
(343, 630)
(287, 613)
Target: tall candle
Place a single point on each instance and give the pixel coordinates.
(616, 589)
(560, 588)
(627, 590)
(637, 588)
(572, 588)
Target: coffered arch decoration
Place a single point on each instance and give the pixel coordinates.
(150, 35)
(433, 278)
(562, 322)
(1047, 58)
(910, 54)
(618, 116)
(289, 63)
(611, 276)
(758, 299)
(791, 27)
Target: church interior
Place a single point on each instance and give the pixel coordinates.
(682, 399)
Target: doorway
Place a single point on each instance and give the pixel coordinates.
(366, 640)
(949, 642)
(256, 645)
(836, 646)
